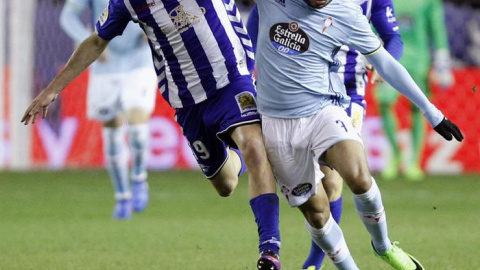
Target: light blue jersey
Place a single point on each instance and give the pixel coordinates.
(296, 48)
(125, 53)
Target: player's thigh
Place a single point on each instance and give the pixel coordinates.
(103, 97)
(334, 128)
(139, 93)
(294, 164)
(349, 160)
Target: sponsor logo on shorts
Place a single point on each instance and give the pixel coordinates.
(302, 189)
(289, 38)
(246, 103)
(103, 18)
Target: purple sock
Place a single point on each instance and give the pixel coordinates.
(244, 167)
(317, 255)
(265, 208)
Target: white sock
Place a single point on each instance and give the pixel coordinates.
(370, 209)
(139, 136)
(117, 160)
(330, 239)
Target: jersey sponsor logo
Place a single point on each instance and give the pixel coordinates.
(289, 38)
(246, 103)
(184, 20)
(302, 189)
(103, 18)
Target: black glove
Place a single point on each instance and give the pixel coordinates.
(447, 129)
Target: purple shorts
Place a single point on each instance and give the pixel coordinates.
(206, 125)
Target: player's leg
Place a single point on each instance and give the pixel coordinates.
(103, 105)
(139, 138)
(297, 171)
(413, 170)
(348, 158)
(387, 96)
(138, 101)
(333, 185)
(325, 232)
(115, 150)
(262, 189)
(215, 129)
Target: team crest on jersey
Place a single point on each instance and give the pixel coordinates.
(184, 20)
(103, 18)
(246, 103)
(289, 38)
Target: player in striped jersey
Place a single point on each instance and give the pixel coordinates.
(115, 81)
(203, 58)
(302, 98)
(353, 73)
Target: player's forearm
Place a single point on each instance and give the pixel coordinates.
(88, 51)
(397, 76)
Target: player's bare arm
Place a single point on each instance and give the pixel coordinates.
(86, 53)
(397, 76)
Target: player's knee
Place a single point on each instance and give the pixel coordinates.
(225, 191)
(318, 218)
(224, 185)
(359, 180)
(253, 152)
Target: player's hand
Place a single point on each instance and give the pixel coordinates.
(376, 78)
(448, 129)
(39, 105)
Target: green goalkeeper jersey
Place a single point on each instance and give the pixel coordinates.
(422, 24)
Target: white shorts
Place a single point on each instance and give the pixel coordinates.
(294, 147)
(109, 95)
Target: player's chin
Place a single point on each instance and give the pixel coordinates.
(319, 3)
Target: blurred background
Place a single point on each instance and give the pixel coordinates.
(33, 48)
(56, 200)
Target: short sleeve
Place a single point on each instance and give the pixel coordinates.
(362, 38)
(113, 20)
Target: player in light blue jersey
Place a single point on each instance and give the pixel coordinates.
(204, 61)
(353, 73)
(302, 100)
(122, 85)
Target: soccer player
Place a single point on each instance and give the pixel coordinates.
(420, 28)
(122, 85)
(354, 76)
(203, 58)
(301, 99)
(353, 73)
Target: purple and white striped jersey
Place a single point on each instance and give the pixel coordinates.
(198, 46)
(352, 71)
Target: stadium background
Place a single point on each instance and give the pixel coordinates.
(33, 48)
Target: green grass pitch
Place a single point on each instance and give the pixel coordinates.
(62, 220)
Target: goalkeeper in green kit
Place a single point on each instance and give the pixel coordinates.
(422, 28)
